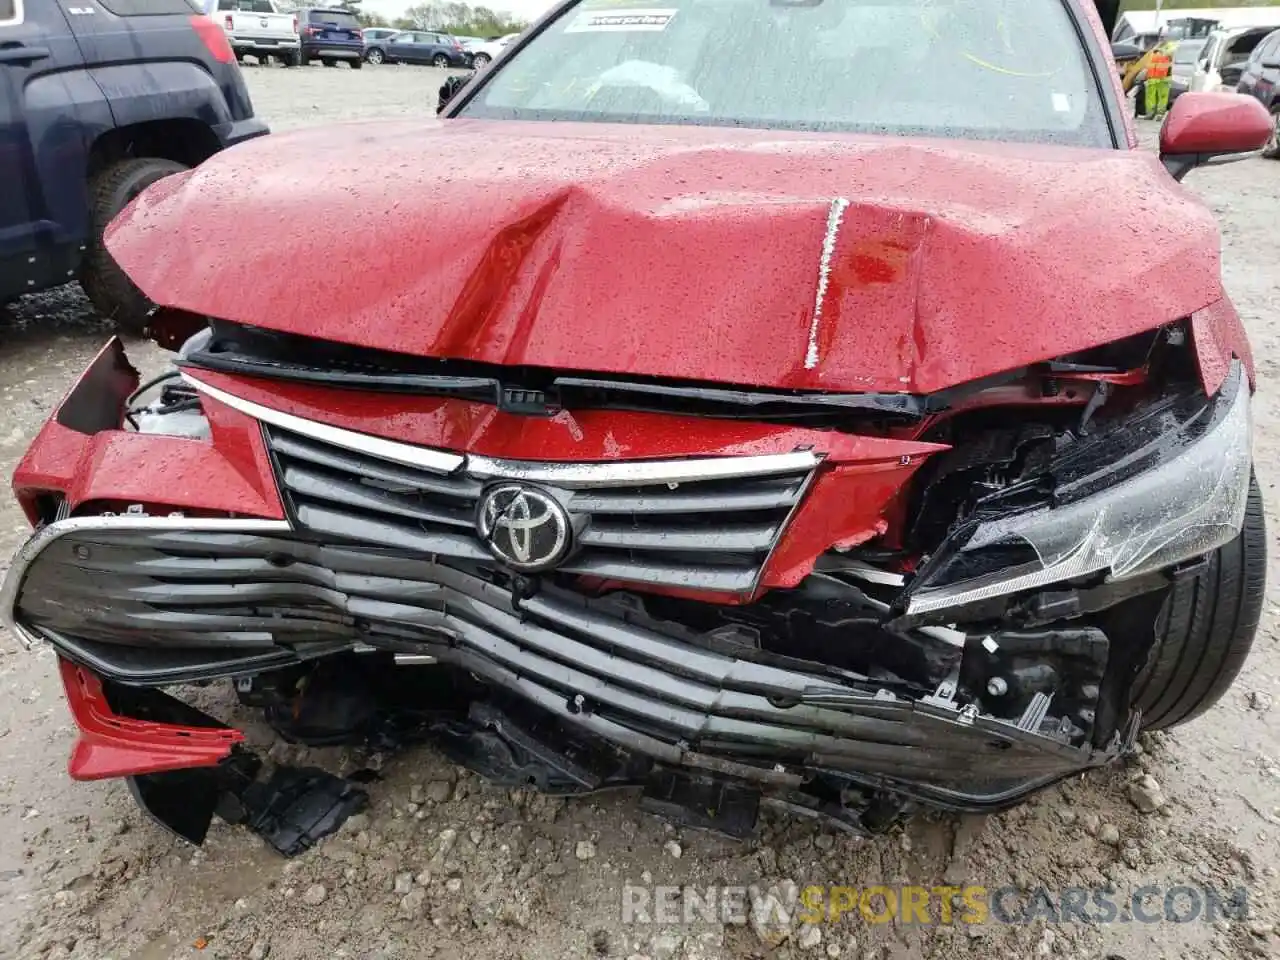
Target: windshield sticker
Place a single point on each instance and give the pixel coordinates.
(622, 21)
(1061, 103)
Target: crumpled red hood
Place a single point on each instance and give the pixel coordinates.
(747, 257)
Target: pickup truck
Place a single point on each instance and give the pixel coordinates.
(260, 29)
(95, 106)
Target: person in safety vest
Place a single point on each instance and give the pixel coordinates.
(1159, 75)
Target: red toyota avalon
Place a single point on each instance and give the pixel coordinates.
(822, 404)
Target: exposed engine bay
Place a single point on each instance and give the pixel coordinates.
(848, 606)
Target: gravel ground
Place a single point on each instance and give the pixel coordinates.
(444, 866)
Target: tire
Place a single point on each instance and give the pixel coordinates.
(328, 62)
(303, 59)
(440, 60)
(1272, 151)
(1206, 628)
(103, 281)
(375, 56)
(290, 59)
(481, 59)
(356, 64)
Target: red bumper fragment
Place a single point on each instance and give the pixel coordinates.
(110, 745)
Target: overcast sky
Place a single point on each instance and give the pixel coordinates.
(526, 9)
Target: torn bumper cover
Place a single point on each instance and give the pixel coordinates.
(811, 694)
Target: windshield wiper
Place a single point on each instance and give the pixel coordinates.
(735, 402)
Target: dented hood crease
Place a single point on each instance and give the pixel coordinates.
(702, 253)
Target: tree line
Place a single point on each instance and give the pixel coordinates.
(460, 19)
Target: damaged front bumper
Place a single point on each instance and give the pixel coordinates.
(602, 664)
(823, 695)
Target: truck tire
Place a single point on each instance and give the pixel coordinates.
(303, 59)
(106, 285)
(1206, 628)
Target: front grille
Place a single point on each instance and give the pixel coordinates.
(713, 534)
(211, 590)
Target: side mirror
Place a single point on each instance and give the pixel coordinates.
(449, 89)
(1212, 128)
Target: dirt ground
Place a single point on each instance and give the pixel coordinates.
(443, 866)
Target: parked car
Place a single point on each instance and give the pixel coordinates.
(426, 46)
(331, 36)
(1260, 79)
(1224, 56)
(375, 40)
(928, 493)
(259, 28)
(93, 109)
(483, 52)
(1185, 57)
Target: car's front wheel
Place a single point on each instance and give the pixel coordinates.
(1206, 628)
(1272, 149)
(375, 56)
(103, 281)
(481, 59)
(440, 60)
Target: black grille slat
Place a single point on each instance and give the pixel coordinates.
(748, 539)
(713, 534)
(691, 576)
(394, 476)
(388, 533)
(762, 495)
(315, 486)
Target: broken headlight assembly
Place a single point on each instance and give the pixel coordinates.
(1154, 489)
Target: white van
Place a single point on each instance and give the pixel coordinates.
(1223, 58)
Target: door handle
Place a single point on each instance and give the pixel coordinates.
(20, 53)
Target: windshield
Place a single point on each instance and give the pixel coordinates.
(988, 69)
(1188, 51)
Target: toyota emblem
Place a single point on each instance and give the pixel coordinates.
(523, 527)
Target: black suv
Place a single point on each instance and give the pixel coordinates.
(330, 35)
(1261, 79)
(97, 101)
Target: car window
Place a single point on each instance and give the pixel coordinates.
(1242, 47)
(10, 12)
(339, 18)
(1269, 50)
(1004, 69)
